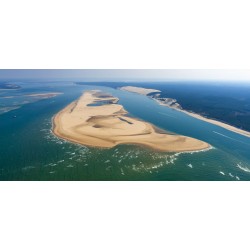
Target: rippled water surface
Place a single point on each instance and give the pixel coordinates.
(29, 151)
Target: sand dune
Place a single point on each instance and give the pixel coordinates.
(108, 125)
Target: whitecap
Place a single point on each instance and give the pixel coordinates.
(122, 172)
(243, 168)
(28, 167)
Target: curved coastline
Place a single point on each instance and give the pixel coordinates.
(144, 91)
(106, 126)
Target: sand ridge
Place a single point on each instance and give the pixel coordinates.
(108, 125)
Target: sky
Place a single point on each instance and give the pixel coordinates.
(126, 75)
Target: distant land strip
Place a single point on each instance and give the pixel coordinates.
(172, 103)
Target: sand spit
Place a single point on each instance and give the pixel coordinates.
(45, 95)
(139, 90)
(177, 106)
(107, 125)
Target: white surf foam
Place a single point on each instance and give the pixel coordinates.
(245, 169)
(196, 151)
(28, 167)
(108, 168)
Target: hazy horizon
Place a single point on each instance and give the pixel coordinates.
(127, 75)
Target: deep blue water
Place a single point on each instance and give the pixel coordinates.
(29, 151)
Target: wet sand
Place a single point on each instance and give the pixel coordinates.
(107, 125)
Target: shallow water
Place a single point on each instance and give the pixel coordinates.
(29, 151)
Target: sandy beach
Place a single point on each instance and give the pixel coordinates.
(139, 90)
(96, 120)
(197, 116)
(218, 123)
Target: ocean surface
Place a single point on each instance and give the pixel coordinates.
(30, 151)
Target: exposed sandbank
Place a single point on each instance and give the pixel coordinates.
(45, 95)
(107, 126)
(176, 106)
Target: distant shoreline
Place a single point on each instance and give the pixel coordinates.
(142, 91)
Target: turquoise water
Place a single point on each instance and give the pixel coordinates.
(29, 151)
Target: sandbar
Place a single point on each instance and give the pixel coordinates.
(97, 120)
(44, 95)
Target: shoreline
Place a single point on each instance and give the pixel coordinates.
(195, 115)
(219, 123)
(81, 123)
(209, 120)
